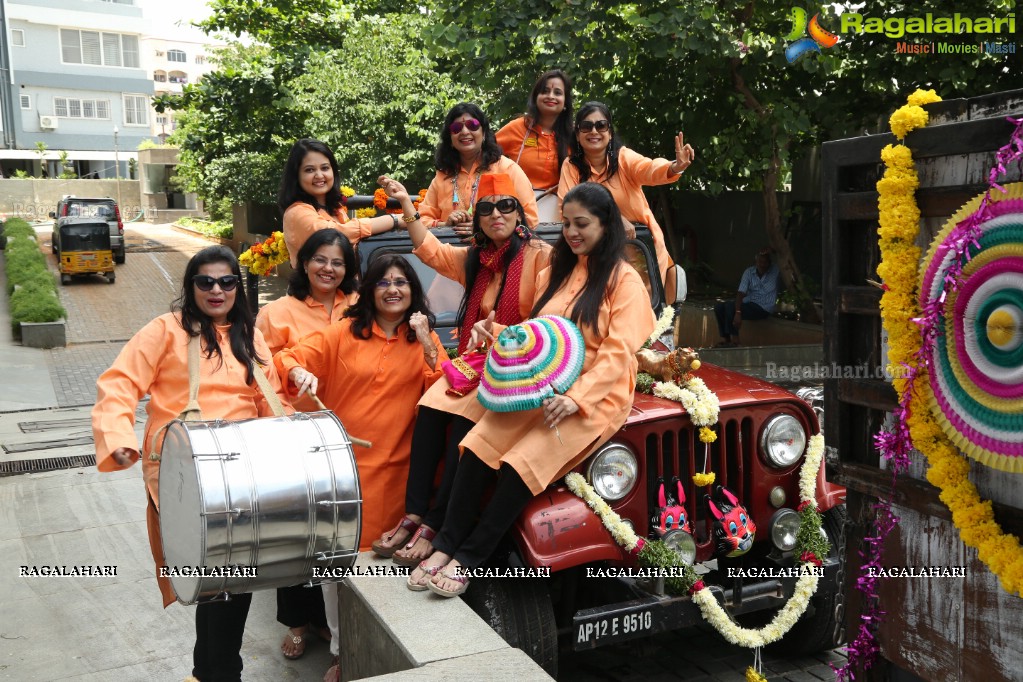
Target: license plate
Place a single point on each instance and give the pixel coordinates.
(88, 256)
(619, 627)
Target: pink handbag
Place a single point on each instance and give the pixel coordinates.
(464, 372)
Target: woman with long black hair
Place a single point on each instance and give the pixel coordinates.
(590, 283)
(212, 312)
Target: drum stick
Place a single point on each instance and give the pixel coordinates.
(355, 441)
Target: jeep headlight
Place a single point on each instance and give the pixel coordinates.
(682, 543)
(613, 472)
(784, 526)
(783, 440)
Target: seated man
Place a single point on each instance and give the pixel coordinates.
(758, 291)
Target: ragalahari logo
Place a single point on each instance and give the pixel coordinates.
(819, 37)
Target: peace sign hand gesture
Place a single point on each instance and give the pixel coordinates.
(684, 155)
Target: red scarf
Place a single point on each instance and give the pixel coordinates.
(507, 308)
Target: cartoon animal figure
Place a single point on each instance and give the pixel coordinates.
(671, 514)
(733, 529)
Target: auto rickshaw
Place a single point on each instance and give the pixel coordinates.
(83, 248)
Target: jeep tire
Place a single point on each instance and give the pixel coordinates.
(521, 612)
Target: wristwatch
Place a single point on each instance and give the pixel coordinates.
(412, 219)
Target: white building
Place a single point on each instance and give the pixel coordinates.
(76, 82)
(172, 63)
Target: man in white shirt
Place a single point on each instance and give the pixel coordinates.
(758, 292)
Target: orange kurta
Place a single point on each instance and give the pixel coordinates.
(449, 260)
(437, 205)
(535, 151)
(287, 320)
(372, 385)
(634, 171)
(603, 391)
(302, 219)
(155, 361)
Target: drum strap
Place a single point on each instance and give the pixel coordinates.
(192, 411)
(268, 392)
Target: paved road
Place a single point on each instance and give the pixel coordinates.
(101, 317)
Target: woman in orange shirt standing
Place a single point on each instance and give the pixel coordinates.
(498, 272)
(598, 156)
(310, 197)
(211, 308)
(590, 283)
(466, 151)
(539, 140)
(321, 288)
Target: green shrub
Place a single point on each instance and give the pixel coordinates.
(36, 297)
(35, 303)
(210, 228)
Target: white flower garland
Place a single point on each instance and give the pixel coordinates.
(712, 612)
(663, 324)
(701, 403)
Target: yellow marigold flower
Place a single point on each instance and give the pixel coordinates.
(704, 479)
(347, 191)
(368, 212)
(707, 435)
(921, 97)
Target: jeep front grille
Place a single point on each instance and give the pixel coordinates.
(680, 453)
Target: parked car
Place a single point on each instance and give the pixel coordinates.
(78, 209)
(557, 529)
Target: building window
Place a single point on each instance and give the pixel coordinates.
(99, 49)
(161, 120)
(26, 102)
(200, 59)
(160, 77)
(18, 37)
(73, 107)
(136, 110)
(176, 56)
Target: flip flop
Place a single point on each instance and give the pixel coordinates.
(386, 552)
(298, 641)
(462, 587)
(424, 532)
(430, 571)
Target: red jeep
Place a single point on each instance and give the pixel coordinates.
(578, 604)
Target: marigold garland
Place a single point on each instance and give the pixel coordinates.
(909, 335)
(264, 256)
(810, 546)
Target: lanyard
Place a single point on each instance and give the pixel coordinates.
(454, 190)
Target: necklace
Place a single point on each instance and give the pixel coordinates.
(455, 203)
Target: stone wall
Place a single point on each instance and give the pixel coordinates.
(33, 199)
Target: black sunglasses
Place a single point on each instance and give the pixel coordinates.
(205, 282)
(587, 126)
(504, 206)
(472, 124)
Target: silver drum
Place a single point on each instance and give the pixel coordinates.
(270, 498)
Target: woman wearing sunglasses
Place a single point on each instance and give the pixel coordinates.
(538, 141)
(590, 283)
(321, 288)
(466, 152)
(598, 156)
(212, 310)
(498, 272)
(310, 197)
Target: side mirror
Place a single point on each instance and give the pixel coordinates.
(52, 214)
(675, 287)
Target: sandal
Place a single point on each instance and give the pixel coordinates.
(333, 673)
(430, 571)
(424, 532)
(297, 640)
(462, 580)
(386, 552)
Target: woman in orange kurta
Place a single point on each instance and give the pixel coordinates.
(155, 361)
(598, 156)
(590, 283)
(468, 150)
(498, 272)
(538, 141)
(322, 287)
(371, 369)
(310, 197)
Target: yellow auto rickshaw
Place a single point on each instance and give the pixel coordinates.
(83, 248)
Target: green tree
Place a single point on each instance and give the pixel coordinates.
(716, 70)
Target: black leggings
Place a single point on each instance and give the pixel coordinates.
(471, 542)
(298, 605)
(431, 443)
(219, 627)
